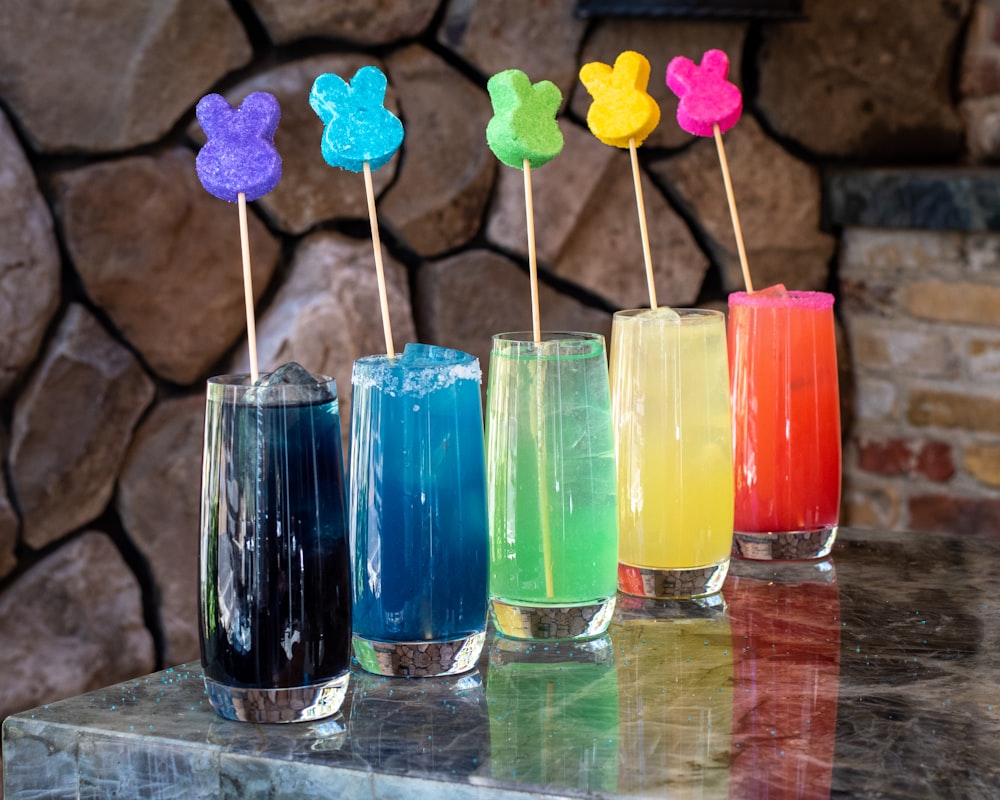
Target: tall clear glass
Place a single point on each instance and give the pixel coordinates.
(551, 477)
(418, 512)
(786, 423)
(275, 614)
(670, 401)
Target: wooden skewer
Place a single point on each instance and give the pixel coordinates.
(732, 208)
(642, 222)
(536, 325)
(379, 269)
(248, 286)
(540, 416)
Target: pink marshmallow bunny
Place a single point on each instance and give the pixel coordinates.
(707, 99)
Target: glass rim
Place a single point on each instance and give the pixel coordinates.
(237, 388)
(798, 299)
(553, 345)
(239, 380)
(687, 316)
(419, 358)
(527, 337)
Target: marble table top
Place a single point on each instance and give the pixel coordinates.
(875, 673)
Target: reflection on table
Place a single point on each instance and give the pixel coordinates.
(554, 713)
(786, 638)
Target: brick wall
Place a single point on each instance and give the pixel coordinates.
(919, 303)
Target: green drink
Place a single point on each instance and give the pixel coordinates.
(551, 486)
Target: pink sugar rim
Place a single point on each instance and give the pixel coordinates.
(816, 301)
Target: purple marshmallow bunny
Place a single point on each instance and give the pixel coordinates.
(239, 156)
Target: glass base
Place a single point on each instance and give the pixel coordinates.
(419, 659)
(672, 584)
(708, 606)
(296, 704)
(523, 621)
(784, 545)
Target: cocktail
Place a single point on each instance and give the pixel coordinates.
(551, 479)
(418, 512)
(786, 423)
(670, 404)
(275, 615)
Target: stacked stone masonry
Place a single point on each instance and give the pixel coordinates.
(120, 288)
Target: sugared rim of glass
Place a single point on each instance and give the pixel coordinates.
(420, 356)
(419, 369)
(552, 344)
(666, 314)
(814, 301)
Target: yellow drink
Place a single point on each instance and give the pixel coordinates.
(673, 443)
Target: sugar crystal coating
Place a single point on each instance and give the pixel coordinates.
(814, 301)
(358, 126)
(524, 124)
(622, 109)
(707, 99)
(239, 155)
(419, 370)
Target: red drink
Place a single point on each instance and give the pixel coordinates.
(786, 423)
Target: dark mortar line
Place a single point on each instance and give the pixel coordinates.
(110, 523)
(254, 28)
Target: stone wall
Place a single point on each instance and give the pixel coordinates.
(120, 289)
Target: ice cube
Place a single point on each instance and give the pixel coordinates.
(778, 290)
(307, 388)
(291, 374)
(662, 313)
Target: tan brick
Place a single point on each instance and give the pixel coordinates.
(964, 302)
(882, 346)
(982, 251)
(871, 507)
(930, 407)
(982, 461)
(983, 361)
(876, 399)
(867, 252)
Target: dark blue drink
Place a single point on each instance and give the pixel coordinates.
(275, 575)
(418, 512)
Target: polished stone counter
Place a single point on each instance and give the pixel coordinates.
(875, 673)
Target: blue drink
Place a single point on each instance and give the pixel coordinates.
(417, 512)
(275, 610)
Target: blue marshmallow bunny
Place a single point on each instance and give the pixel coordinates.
(358, 126)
